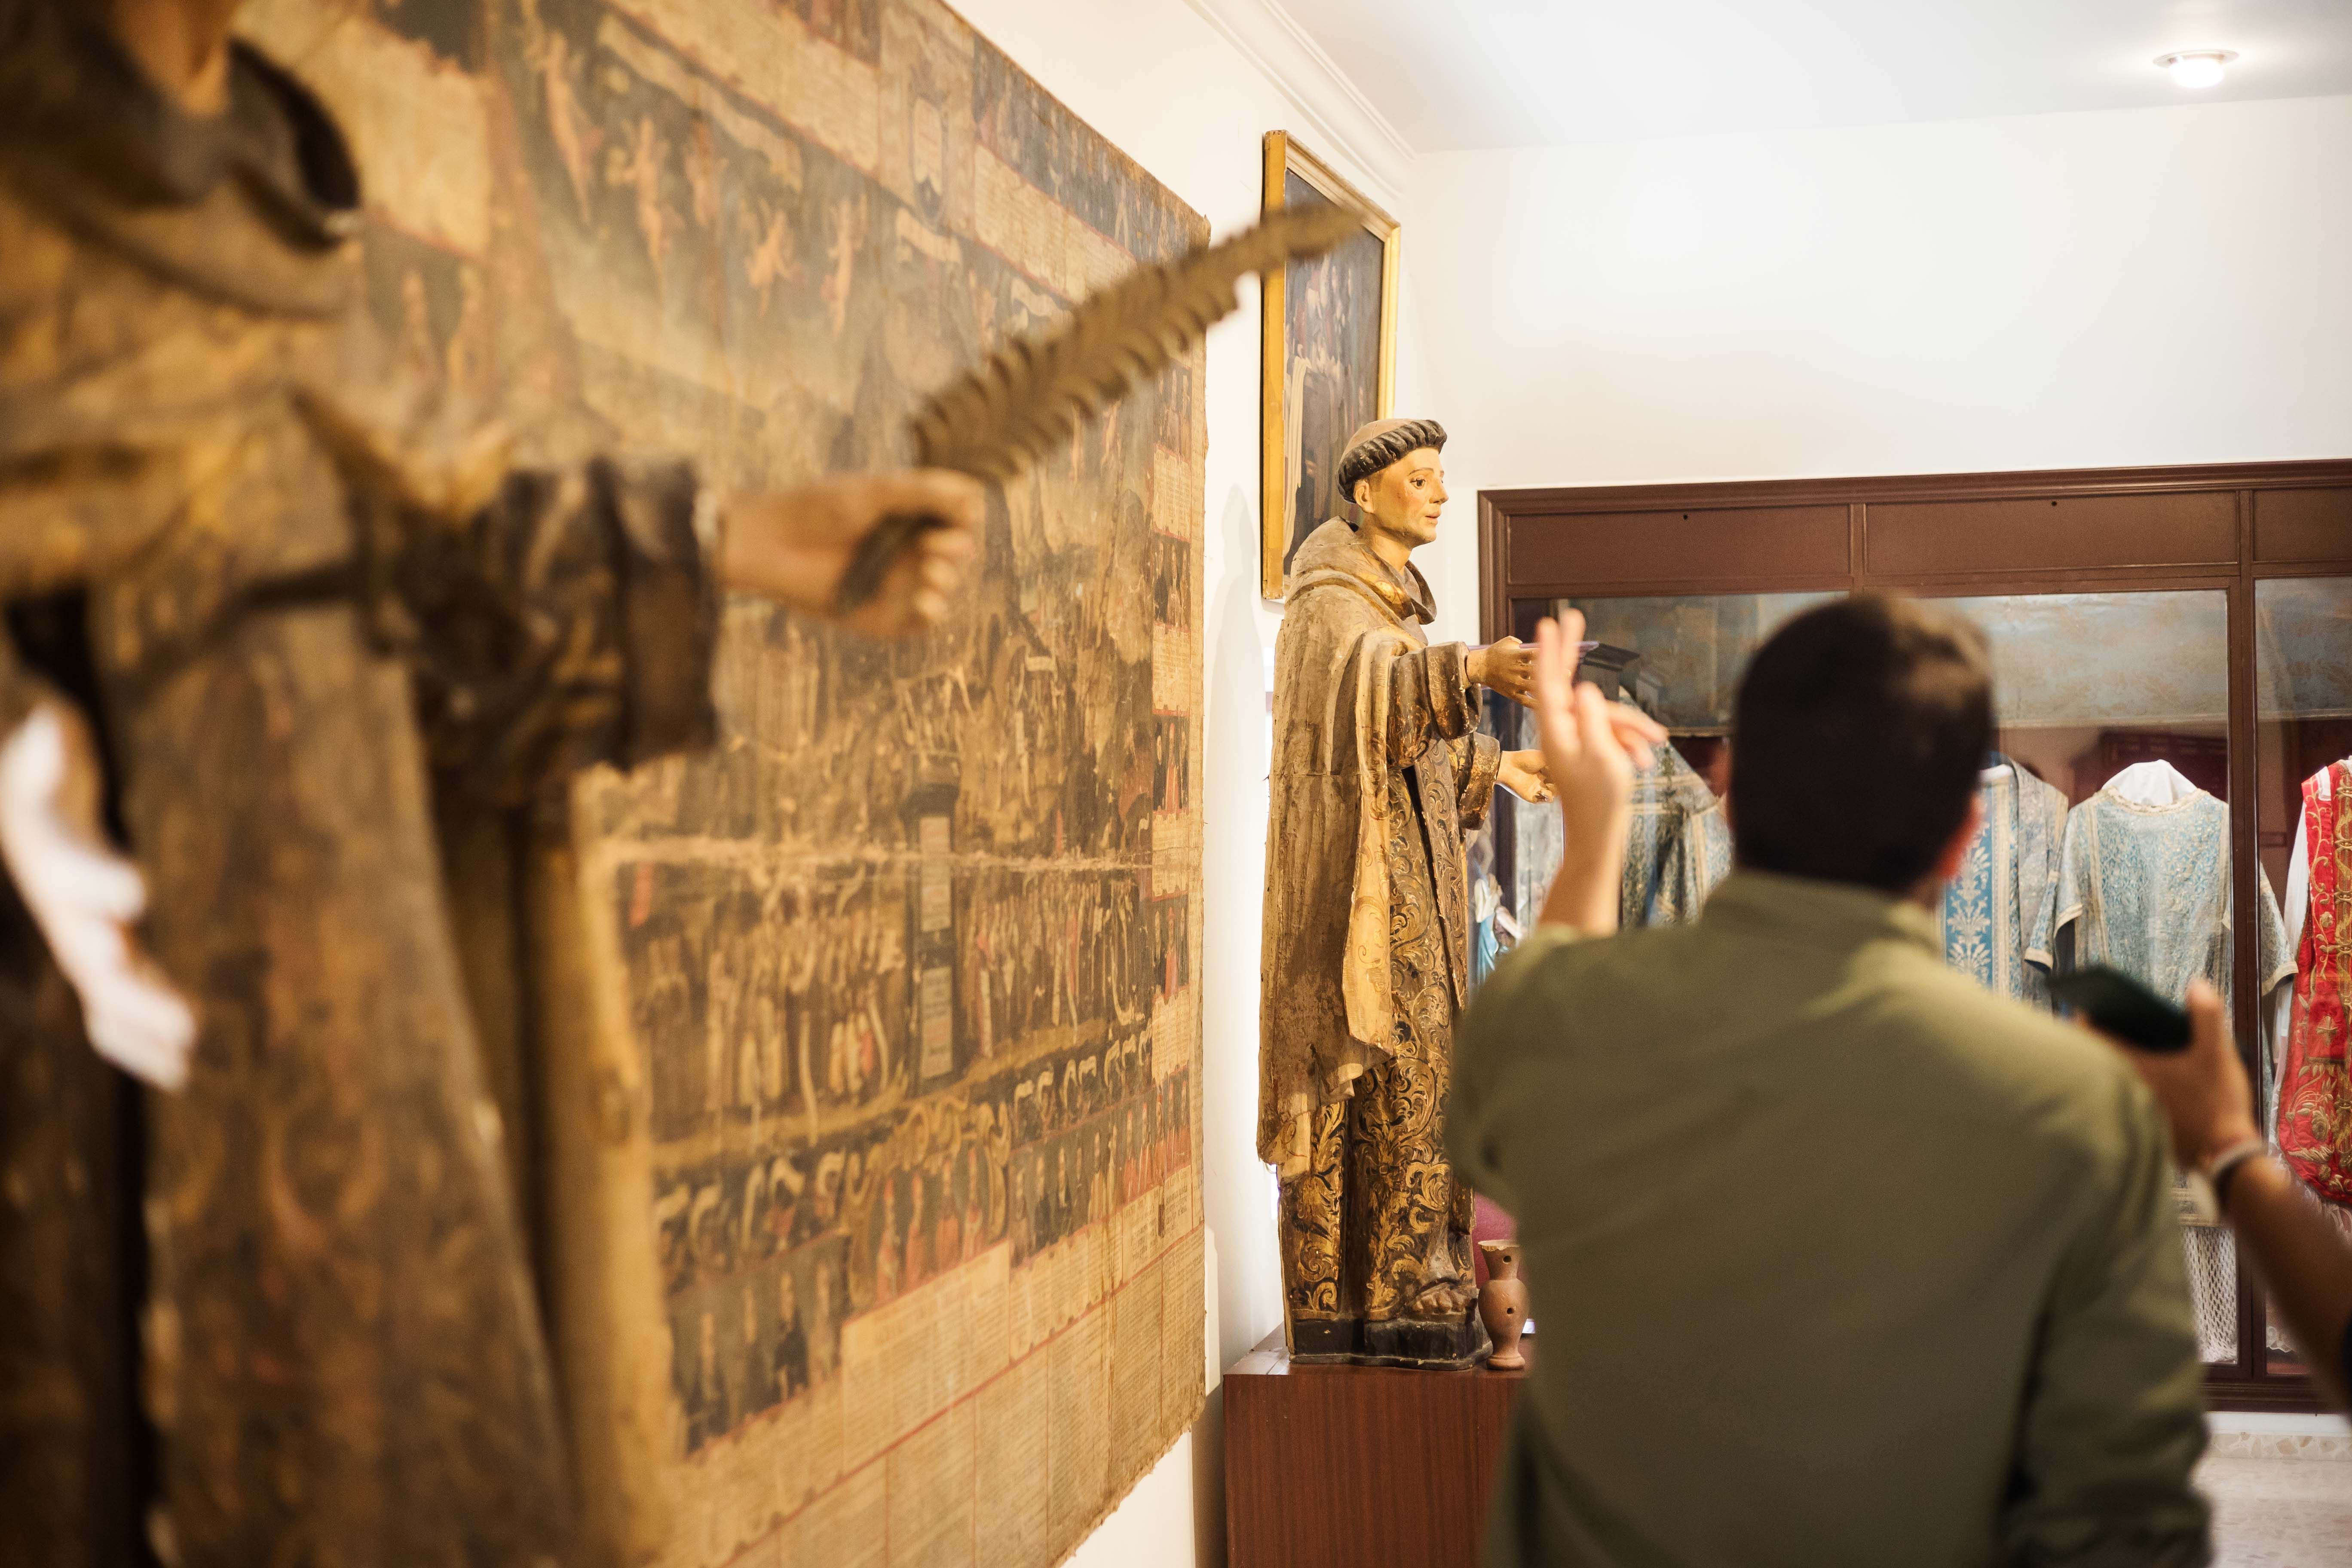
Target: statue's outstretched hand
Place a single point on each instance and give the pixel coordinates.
(1506, 665)
(1522, 773)
(85, 897)
(796, 546)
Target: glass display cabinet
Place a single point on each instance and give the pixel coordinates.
(2173, 662)
(2302, 765)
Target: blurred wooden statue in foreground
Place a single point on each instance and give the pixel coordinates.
(291, 631)
(1378, 774)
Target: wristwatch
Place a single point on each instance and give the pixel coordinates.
(2224, 1165)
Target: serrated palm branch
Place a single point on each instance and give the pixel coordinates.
(1030, 394)
(1028, 397)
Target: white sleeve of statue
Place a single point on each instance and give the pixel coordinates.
(84, 896)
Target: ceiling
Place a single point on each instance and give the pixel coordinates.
(1453, 74)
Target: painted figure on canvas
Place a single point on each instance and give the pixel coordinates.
(1329, 342)
(1379, 772)
(1332, 307)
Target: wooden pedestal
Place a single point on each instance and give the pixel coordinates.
(1356, 1467)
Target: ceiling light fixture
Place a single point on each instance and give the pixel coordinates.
(2197, 68)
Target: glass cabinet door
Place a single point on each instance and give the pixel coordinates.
(1678, 659)
(2107, 833)
(2303, 690)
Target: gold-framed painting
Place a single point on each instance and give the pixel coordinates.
(1329, 355)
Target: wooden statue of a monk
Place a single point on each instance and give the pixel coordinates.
(289, 636)
(1378, 771)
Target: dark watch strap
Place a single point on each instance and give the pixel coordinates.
(2228, 1173)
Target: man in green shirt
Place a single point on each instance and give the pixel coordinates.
(1839, 1259)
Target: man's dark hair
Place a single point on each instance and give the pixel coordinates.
(1362, 462)
(1857, 737)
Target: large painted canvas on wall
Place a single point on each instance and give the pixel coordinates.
(885, 1244)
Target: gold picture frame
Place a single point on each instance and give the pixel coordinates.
(1310, 402)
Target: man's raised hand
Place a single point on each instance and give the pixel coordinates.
(1592, 749)
(2204, 1091)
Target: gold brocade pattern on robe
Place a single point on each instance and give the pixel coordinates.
(1378, 1170)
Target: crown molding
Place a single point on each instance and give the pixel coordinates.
(1345, 123)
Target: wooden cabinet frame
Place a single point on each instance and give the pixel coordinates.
(2225, 527)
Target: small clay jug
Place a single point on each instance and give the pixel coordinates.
(1503, 1304)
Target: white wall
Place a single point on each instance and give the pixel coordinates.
(2062, 291)
(1173, 93)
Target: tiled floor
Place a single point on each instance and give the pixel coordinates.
(2280, 1513)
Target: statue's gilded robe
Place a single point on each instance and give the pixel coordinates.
(323, 638)
(1377, 772)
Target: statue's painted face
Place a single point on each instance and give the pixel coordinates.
(1403, 500)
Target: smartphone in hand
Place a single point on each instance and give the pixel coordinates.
(2118, 1005)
